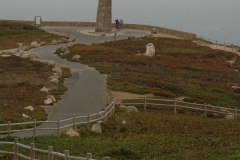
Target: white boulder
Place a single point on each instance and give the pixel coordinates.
(150, 50)
(72, 133)
(131, 109)
(30, 108)
(154, 31)
(48, 101)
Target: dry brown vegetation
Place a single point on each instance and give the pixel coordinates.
(12, 33)
(180, 68)
(20, 82)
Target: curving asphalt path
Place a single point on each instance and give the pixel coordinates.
(86, 87)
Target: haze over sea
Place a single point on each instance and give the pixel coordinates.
(214, 19)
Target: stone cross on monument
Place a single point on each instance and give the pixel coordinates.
(104, 16)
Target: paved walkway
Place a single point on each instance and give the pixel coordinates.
(86, 87)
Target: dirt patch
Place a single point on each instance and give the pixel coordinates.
(118, 94)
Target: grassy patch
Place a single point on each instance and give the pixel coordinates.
(150, 135)
(12, 33)
(180, 68)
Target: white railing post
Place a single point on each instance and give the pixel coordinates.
(15, 149)
(205, 109)
(58, 123)
(224, 46)
(216, 44)
(97, 117)
(89, 156)
(50, 155)
(66, 154)
(34, 129)
(145, 104)
(9, 128)
(104, 119)
(236, 113)
(175, 106)
(232, 46)
(74, 122)
(32, 151)
(107, 158)
(88, 122)
(209, 42)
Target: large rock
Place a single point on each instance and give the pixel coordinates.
(48, 101)
(52, 98)
(75, 57)
(150, 50)
(25, 116)
(72, 133)
(96, 128)
(30, 108)
(131, 109)
(44, 89)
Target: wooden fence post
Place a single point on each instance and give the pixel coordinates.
(32, 151)
(145, 104)
(15, 149)
(89, 156)
(74, 123)
(58, 123)
(236, 113)
(205, 109)
(66, 154)
(9, 128)
(105, 117)
(175, 106)
(97, 117)
(50, 155)
(34, 128)
(88, 124)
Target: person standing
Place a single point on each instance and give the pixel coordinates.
(117, 24)
(121, 24)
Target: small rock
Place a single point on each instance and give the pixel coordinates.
(48, 101)
(72, 133)
(131, 38)
(150, 50)
(124, 122)
(71, 40)
(26, 47)
(54, 80)
(154, 31)
(35, 45)
(229, 117)
(59, 41)
(96, 128)
(54, 42)
(5, 55)
(30, 108)
(51, 63)
(25, 55)
(131, 109)
(42, 43)
(33, 56)
(44, 89)
(63, 49)
(67, 52)
(25, 116)
(64, 40)
(76, 57)
(52, 98)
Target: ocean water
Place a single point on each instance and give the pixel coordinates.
(214, 19)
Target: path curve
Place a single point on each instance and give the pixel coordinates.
(87, 92)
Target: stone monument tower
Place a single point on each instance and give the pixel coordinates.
(104, 16)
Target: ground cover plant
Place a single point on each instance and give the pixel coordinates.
(179, 68)
(149, 134)
(20, 83)
(12, 33)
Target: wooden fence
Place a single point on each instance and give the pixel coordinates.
(176, 105)
(70, 122)
(32, 150)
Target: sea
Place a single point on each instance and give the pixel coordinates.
(211, 19)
